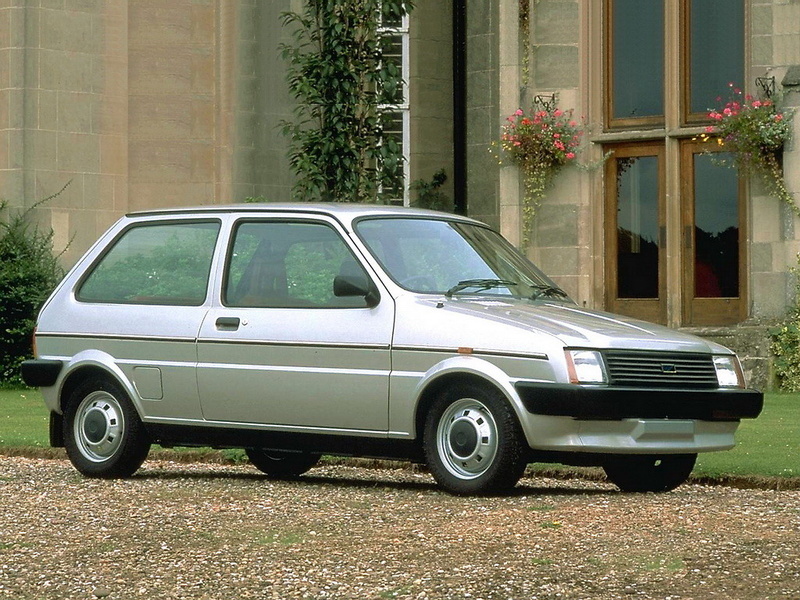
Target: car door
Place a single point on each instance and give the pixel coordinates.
(280, 348)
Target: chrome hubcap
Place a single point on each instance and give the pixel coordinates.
(99, 425)
(467, 439)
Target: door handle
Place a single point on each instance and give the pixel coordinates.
(227, 323)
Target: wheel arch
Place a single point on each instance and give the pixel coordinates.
(462, 374)
(82, 370)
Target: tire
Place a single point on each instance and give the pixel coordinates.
(473, 442)
(646, 473)
(103, 434)
(281, 465)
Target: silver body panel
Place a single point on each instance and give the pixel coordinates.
(352, 371)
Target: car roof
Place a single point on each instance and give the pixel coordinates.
(344, 212)
(345, 209)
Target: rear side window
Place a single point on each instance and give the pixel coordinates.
(289, 265)
(159, 263)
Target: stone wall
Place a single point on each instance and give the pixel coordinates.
(63, 114)
(173, 103)
(561, 238)
(265, 102)
(431, 91)
(751, 341)
(483, 104)
(775, 47)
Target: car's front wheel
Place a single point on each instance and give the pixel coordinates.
(646, 473)
(103, 434)
(280, 464)
(473, 441)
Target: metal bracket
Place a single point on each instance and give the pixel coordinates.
(767, 86)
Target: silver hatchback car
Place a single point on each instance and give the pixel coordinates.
(294, 331)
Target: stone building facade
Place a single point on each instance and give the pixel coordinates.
(150, 103)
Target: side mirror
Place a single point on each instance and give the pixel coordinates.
(351, 286)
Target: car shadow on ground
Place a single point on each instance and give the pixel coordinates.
(524, 488)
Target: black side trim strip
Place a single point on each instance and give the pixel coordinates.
(605, 403)
(40, 372)
(342, 445)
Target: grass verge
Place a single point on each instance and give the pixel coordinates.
(765, 455)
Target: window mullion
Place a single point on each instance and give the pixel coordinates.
(673, 102)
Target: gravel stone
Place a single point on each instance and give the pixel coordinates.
(208, 531)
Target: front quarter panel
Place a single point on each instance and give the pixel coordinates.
(411, 381)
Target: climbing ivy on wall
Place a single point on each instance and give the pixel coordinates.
(338, 78)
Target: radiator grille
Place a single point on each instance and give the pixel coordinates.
(660, 369)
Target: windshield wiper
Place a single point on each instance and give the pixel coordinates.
(548, 291)
(479, 284)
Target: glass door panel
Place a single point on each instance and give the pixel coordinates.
(634, 222)
(716, 229)
(713, 238)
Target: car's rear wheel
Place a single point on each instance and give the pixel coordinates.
(280, 464)
(103, 434)
(646, 473)
(473, 441)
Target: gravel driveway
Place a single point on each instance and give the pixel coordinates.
(225, 532)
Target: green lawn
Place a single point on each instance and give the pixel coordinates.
(23, 419)
(768, 446)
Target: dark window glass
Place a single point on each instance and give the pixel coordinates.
(391, 171)
(392, 69)
(165, 263)
(637, 227)
(638, 58)
(289, 265)
(716, 219)
(716, 51)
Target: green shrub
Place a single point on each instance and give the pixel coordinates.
(429, 193)
(28, 273)
(785, 347)
(340, 72)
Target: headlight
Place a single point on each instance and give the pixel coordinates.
(729, 371)
(585, 366)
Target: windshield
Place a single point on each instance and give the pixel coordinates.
(453, 258)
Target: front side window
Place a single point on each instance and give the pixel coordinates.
(436, 256)
(289, 265)
(159, 263)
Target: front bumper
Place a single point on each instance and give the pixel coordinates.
(600, 403)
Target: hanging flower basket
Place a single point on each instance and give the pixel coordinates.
(539, 143)
(754, 132)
